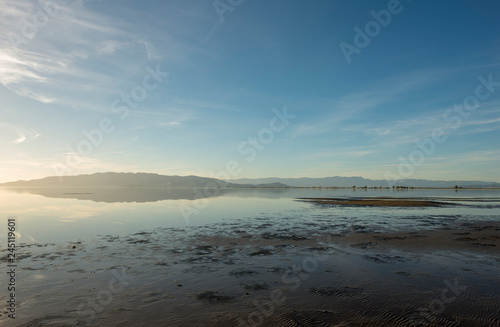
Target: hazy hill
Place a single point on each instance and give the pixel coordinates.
(130, 180)
(156, 180)
(338, 181)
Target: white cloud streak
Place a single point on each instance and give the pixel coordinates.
(75, 52)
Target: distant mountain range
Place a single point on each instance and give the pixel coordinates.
(132, 180)
(155, 180)
(338, 181)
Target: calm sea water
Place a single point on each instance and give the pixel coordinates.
(59, 215)
(73, 242)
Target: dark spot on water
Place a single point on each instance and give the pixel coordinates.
(331, 291)
(261, 252)
(242, 272)
(214, 297)
(256, 286)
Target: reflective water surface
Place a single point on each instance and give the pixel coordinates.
(188, 259)
(63, 215)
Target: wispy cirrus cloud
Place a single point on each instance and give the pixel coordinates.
(341, 110)
(353, 106)
(404, 132)
(170, 124)
(483, 122)
(347, 152)
(75, 52)
(197, 104)
(13, 134)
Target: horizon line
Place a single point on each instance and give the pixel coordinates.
(249, 178)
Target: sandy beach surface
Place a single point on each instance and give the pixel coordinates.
(380, 202)
(265, 272)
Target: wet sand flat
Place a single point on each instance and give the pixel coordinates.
(379, 202)
(475, 237)
(267, 273)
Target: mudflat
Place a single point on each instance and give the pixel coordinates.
(267, 273)
(379, 202)
(482, 237)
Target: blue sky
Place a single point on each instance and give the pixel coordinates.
(63, 66)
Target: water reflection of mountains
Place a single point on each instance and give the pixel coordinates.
(144, 194)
